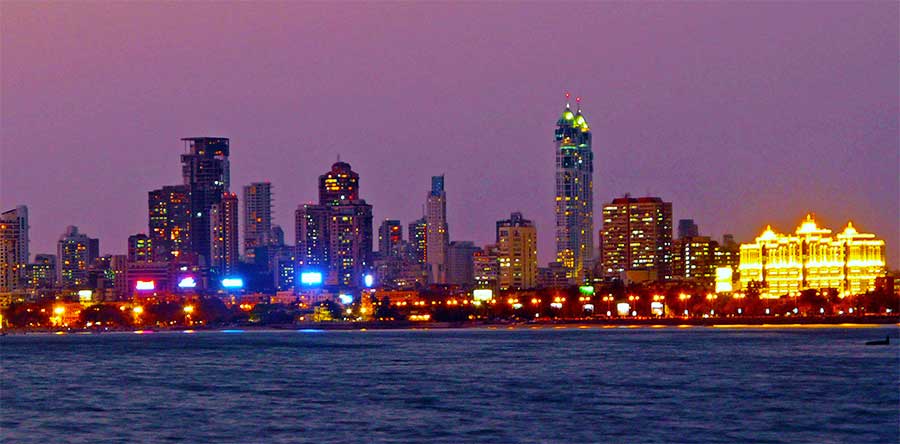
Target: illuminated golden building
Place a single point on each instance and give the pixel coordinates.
(812, 258)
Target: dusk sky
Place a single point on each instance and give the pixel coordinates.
(741, 115)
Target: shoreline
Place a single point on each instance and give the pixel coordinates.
(731, 322)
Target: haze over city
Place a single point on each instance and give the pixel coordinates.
(741, 115)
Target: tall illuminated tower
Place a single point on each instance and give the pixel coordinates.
(205, 169)
(257, 217)
(224, 234)
(437, 236)
(574, 193)
(13, 248)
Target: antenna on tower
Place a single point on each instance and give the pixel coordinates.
(578, 103)
(567, 98)
(339, 157)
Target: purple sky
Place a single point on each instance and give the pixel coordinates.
(739, 114)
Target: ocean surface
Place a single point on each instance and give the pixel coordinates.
(617, 385)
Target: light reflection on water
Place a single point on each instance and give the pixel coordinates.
(574, 384)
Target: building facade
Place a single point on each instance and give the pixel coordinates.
(437, 236)
(140, 248)
(812, 258)
(637, 237)
(224, 234)
(517, 253)
(350, 243)
(75, 252)
(417, 244)
(460, 263)
(170, 223)
(486, 266)
(257, 217)
(390, 238)
(339, 184)
(205, 169)
(574, 193)
(694, 259)
(14, 253)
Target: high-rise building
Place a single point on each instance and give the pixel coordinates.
(350, 243)
(812, 258)
(460, 263)
(257, 217)
(417, 235)
(517, 253)
(637, 237)
(224, 234)
(140, 248)
(437, 237)
(486, 267)
(390, 238)
(205, 169)
(339, 184)
(75, 252)
(170, 223)
(694, 259)
(13, 249)
(574, 193)
(312, 237)
(42, 272)
(277, 236)
(728, 254)
(687, 228)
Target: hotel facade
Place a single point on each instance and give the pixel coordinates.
(812, 258)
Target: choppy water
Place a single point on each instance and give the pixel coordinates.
(448, 386)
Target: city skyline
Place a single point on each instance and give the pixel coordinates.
(776, 154)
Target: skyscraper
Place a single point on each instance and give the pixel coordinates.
(417, 245)
(350, 243)
(13, 249)
(461, 263)
(224, 234)
(574, 193)
(517, 253)
(170, 223)
(140, 248)
(205, 169)
(42, 272)
(257, 217)
(437, 237)
(637, 236)
(390, 238)
(75, 252)
(341, 183)
(335, 236)
(312, 237)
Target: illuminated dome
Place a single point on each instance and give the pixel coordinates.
(769, 234)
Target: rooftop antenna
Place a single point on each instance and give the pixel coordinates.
(578, 103)
(567, 98)
(339, 157)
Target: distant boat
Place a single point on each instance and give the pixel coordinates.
(886, 341)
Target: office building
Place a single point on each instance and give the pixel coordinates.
(637, 238)
(486, 267)
(350, 243)
(75, 252)
(417, 245)
(517, 253)
(13, 249)
(461, 264)
(339, 184)
(257, 217)
(312, 237)
(437, 236)
(170, 223)
(694, 259)
(42, 272)
(205, 169)
(140, 248)
(390, 238)
(574, 193)
(224, 234)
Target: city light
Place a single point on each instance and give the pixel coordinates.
(85, 295)
(137, 310)
(483, 294)
(145, 285)
(187, 282)
(623, 308)
(311, 278)
(368, 280)
(346, 299)
(586, 289)
(233, 283)
(188, 309)
(723, 280)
